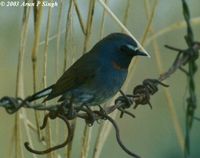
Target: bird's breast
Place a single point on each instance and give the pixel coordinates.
(109, 81)
(105, 84)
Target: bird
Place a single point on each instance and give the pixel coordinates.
(97, 75)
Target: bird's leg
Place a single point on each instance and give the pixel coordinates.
(71, 113)
(91, 116)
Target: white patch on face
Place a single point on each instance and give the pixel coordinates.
(132, 47)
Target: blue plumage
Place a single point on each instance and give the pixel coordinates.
(97, 75)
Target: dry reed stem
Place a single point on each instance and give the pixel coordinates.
(89, 25)
(35, 46)
(170, 28)
(170, 103)
(125, 19)
(66, 48)
(12, 146)
(105, 131)
(98, 138)
(25, 122)
(52, 37)
(20, 73)
(58, 36)
(68, 27)
(150, 18)
(18, 137)
(103, 21)
(48, 129)
(28, 124)
(46, 48)
(69, 146)
(87, 130)
(144, 37)
(79, 17)
(98, 143)
(34, 57)
(20, 83)
(85, 143)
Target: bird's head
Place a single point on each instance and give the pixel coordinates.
(119, 48)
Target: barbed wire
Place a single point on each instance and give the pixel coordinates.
(141, 96)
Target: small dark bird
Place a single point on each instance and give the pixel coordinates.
(98, 75)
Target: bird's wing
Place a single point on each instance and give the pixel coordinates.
(82, 71)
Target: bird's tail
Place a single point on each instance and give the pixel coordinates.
(40, 94)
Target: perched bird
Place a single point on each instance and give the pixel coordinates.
(97, 75)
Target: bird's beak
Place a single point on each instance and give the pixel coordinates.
(140, 53)
(137, 51)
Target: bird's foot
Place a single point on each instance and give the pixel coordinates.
(103, 112)
(69, 110)
(90, 115)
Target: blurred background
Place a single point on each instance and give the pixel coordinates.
(156, 133)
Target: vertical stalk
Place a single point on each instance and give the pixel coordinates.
(57, 125)
(66, 50)
(150, 19)
(38, 16)
(48, 129)
(79, 17)
(17, 138)
(68, 27)
(58, 35)
(98, 142)
(89, 25)
(103, 20)
(170, 103)
(20, 84)
(69, 147)
(125, 19)
(87, 130)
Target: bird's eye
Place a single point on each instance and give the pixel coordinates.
(124, 48)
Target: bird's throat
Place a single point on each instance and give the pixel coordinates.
(117, 66)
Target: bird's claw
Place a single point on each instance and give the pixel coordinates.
(103, 112)
(68, 109)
